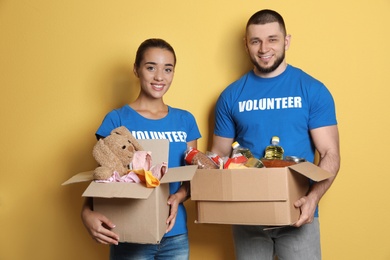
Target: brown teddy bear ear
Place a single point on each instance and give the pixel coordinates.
(103, 155)
(122, 130)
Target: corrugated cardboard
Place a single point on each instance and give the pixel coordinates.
(138, 212)
(252, 196)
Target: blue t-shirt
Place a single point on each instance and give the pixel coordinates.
(253, 109)
(179, 127)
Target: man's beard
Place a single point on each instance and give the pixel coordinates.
(276, 64)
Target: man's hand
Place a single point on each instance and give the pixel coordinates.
(307, 206)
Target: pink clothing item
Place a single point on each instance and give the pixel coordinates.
(142, 160)
(159, 170)
(115, 177)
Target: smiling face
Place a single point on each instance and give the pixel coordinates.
(155, 72)
(266, 45)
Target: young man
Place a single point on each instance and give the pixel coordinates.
(276, 98)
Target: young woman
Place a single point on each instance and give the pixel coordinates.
(149, 117)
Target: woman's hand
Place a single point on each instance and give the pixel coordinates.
(99, 227)
(174, 200)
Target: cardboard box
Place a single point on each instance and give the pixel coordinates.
(138, 212)
(252, 196)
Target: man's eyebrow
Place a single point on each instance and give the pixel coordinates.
(258, 38)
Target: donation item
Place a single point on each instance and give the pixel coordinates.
(251, 162)
(274, 151)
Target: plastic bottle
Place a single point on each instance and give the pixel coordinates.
(195, 157)
(251, 160)
(237, 148)
(274, 151)
(215, 158)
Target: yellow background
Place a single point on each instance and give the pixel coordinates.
(65, 64)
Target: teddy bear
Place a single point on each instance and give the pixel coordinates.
(114, 153)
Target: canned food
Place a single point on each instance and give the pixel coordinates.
(295, 159)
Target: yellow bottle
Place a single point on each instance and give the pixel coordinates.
(252, 162)
(274, 151)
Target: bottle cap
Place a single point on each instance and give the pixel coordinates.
(235, 144)
(275, 139)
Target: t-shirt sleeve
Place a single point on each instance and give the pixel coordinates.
(110, 122)
(193, 132)
(323, 112)
(224, 123)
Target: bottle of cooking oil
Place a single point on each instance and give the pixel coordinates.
(251, 160)
(274, 151)
(237, 148)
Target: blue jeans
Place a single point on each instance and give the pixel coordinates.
(170, 248)
(288, 243)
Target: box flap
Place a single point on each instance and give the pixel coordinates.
(137, 190)
(80, 177)
(311, 171)
(118, 190)
(184, 173)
